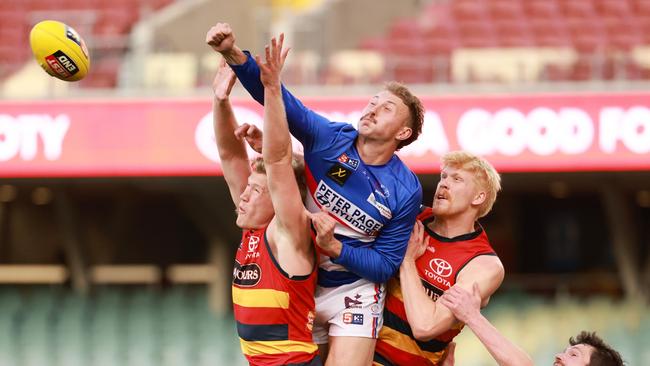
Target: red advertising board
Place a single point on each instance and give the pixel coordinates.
(88, 138)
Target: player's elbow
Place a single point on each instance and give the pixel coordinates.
(381, 277)
(421, 333)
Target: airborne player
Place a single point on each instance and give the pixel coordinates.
(275, 270)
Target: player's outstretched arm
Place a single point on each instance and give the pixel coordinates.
(232, 151)
(304, 124)
(290, 214)
(466, 307)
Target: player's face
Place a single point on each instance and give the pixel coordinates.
(255, 207)
(456, 192)
(384, 117)
(578, 355)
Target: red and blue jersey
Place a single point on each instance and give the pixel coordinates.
(375, 205)
(274, 312)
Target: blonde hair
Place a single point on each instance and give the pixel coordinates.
(298, 165)
(485, 176)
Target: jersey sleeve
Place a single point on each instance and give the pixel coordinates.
(309, 127)
(380, 262)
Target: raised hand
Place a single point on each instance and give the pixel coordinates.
(417, 242)
(221, 38)
(251, 134)
(223, 81)
(274, 61)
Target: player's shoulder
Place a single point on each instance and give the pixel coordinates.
(404, 176)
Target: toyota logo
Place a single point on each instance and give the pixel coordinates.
(440, 267)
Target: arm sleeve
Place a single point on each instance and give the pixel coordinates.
(310, 128)
(381, 261)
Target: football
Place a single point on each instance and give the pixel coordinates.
(60, 50)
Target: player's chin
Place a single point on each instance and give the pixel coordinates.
(242, 221)
(439, 209)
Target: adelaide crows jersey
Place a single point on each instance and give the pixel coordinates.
(438, 268)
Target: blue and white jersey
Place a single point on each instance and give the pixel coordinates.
(375, 205)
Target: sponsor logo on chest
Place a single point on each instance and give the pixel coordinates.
(345, 210)
(438, 271)
(247, 275)
(339, 174)
(352, 163)
(253, 245)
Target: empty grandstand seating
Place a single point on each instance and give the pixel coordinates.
(114, 325)
(139, 325)
(603, 33)
(103, 23)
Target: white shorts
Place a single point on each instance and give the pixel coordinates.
(352, 310)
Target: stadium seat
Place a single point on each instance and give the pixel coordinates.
(577, 8)
(506, 9)
(467, 10)
(405, 29)
(641, 7)
(541, 9)
(619, 8)
(479, 33)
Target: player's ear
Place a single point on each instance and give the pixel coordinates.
(404, 133)
(479, 198)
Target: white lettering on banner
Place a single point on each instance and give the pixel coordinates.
(432, 140)
(204, 133)
(19, 135)
(508, 131)
(631, 127)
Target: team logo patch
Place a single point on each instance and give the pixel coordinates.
(353, 303)
(247, 275)
(352, 163)
(339, 174)
(351, 318)
(375, 309)
(62, 64)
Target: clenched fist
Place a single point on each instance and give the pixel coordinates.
(221, 38)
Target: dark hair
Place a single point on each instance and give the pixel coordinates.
(603, 354)
(416, 110)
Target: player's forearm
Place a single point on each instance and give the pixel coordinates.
(224, 123)
(503, 350)
(235, 56)
(276, 144)
(420, 309)
(365, 262)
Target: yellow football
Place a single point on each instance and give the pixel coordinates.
(60, 50)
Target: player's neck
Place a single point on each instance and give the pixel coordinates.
(451, 227)
(373, 152)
